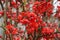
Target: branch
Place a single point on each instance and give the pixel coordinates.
(1, 5)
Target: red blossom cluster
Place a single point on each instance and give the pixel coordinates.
(11, 29)
(43, 8)
(57, 15)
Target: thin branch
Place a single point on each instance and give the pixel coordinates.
(1, 5)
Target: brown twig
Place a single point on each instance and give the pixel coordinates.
(1, 5)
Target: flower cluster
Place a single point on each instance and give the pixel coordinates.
(43, 8)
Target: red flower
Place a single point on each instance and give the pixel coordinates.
(8, 23)
(0, 36)
(44, 39)
(24, 21)
(57, 15)
(49, 12)
(19, 17)
(13, 3)
(43, 24)
(7, 32)
(29, 31)
(8, 14)
(58, 35)
(9, 26)
(15, 31)
(47, 30)
(21, 31)
(14, 14)
(32, 29)
(23, 14)
(1, 13)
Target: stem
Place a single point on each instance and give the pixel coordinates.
(10, 11)
(20, 1)
(10, 3)
(17, 11)
(5, 18)
(23, 5)
(3, 35)
(34, 35)
(11, 37)
(3, 32)
(5, 10)
(1, 5)
(4, 29)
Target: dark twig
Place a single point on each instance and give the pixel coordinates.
(1, 5)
